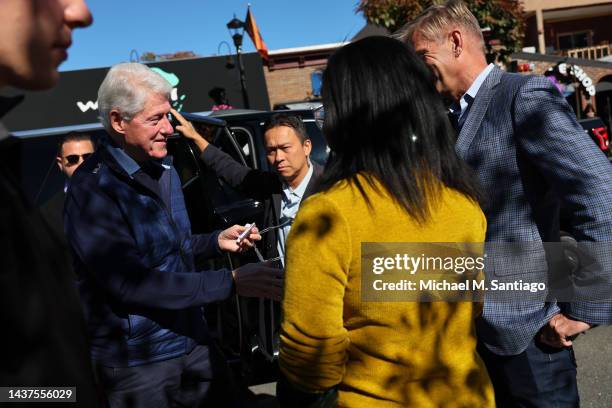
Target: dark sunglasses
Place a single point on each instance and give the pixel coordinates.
(73, 159)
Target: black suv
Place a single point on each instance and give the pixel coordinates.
(247, 329)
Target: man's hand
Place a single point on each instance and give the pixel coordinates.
(187, 130)
(560, 331)
(259, 280)
(227, 239)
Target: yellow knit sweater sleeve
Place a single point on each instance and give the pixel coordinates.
(313, 340)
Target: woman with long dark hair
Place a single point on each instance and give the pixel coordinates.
(392, 176)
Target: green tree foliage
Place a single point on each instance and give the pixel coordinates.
(504, 18)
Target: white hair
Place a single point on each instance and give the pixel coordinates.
(126, 88)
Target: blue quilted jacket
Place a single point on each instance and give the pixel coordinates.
(134, 255)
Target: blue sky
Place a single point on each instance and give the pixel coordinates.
(199, 26)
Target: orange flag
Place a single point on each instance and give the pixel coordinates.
(251, 28)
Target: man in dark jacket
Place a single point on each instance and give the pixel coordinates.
(294, 179)
(72, 151)
(42, 323)
(126, 222)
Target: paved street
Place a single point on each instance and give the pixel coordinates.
(594, 358)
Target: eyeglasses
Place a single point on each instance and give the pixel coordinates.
(73, 159)
(319, 116)
(263, 231)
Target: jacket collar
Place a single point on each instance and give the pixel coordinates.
(317, 170)
(123, 163)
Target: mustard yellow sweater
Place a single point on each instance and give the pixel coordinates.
(382, 354)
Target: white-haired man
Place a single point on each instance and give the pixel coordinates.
(530, 154)
(134, 253)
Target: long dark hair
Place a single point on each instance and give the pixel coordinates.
(385, 120)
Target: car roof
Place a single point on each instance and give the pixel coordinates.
(233, 115)
(97, 126)
(27, 134)
(216, 117)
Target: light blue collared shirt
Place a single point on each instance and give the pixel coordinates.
(468, 98)
(290, 203)
(129, 165)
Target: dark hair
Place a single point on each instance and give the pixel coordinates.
(385, 120)
(73, 137)
(217, 94)
(292, 121)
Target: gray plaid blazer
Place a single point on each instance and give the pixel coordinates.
(530, 154)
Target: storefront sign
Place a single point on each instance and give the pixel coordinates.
(73, 100)
(580, 75)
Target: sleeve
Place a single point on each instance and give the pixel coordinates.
(101, 240)
(575, 169)
(206, 245)
(255, 183)
(313, 340)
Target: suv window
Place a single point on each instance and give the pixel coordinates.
(211, 203)
(245, 144)
(184, 160)
(229, 204)
(228, 144)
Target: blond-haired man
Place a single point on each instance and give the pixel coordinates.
(522, 139)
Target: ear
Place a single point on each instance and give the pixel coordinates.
(60, 165)
(307, 145)
(456, 40)
(117, 122)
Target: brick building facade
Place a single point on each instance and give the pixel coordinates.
(289, 73)
(579, 33)
(289, 85)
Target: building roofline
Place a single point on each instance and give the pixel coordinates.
(197, 57)
(310, 48)
(553, 58)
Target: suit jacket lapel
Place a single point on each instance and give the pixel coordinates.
(312, 184)
(276, 205)
(477, 112)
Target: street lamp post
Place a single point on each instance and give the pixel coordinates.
(229, 63)
(236, 29)
(134, 57)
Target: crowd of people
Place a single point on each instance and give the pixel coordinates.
(105, 295)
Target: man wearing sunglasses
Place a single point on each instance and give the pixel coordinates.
(73, 149)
